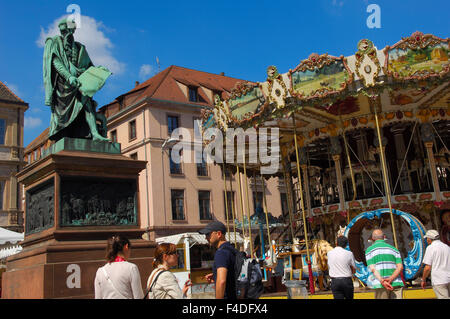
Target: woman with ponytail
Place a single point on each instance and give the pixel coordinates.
(161, 283)
(118, 279)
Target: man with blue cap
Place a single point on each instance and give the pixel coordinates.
(223, 274)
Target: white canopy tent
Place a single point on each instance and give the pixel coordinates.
(196, 238)
(9, 243)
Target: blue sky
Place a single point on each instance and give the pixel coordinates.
(240, 38)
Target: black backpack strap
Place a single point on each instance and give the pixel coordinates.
(153, 283)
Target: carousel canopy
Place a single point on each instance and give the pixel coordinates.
(328, 95)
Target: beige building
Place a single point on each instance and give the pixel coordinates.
(177, 198)
(12, 110)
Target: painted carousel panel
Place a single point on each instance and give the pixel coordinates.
(247, 104)
(332, 77)
(407, 62)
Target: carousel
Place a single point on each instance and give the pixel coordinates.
(363, 143)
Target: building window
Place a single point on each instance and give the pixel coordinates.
(204, 205)
(227, 173)
(174, 167)
(134, 156)
(177, 197)
(35, 153)
(257, 200)
(132, 130)
(202, 168)
(284, 204)
(172, 123)
(228, 209)
(2, 131)
(114, 136)
(193, 94)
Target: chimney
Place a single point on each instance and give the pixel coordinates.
(136, 83)
(222, 73)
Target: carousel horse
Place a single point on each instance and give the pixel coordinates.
(340, 232)
(319, 262)
(247, 246)
(270, 260)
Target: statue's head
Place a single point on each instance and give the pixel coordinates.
(67, 27)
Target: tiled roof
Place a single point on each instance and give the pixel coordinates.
(164, 86)
(38, 141)
(8, 95)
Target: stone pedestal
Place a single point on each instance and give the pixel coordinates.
(78, 195)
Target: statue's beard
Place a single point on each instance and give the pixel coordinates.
(68, 38)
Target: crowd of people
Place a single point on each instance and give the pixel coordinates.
(385, 263)
(120, 279)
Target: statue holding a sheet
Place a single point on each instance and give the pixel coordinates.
(70, 81)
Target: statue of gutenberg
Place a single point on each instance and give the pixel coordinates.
(73, 114)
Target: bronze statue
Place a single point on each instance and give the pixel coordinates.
(73, 113)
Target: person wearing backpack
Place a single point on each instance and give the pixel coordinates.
(223, 274)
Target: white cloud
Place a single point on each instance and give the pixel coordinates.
(145, 71)
(32, 122)
(91, 34)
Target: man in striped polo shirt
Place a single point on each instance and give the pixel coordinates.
(385, 262)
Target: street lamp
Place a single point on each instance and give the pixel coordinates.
(169, 143)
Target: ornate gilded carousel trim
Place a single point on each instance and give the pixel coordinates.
(316, 61)
(365, 47)
(425, 114)
(240, 89)
(274, 76)
(415, 42)
(205, 114)
(411, 203)
(221, 113)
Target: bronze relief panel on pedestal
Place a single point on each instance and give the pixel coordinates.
(40, 208)
(98, 202)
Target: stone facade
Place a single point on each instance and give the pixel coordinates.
(12, 110)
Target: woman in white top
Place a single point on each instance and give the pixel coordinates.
(118, 279)
(161, 282)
